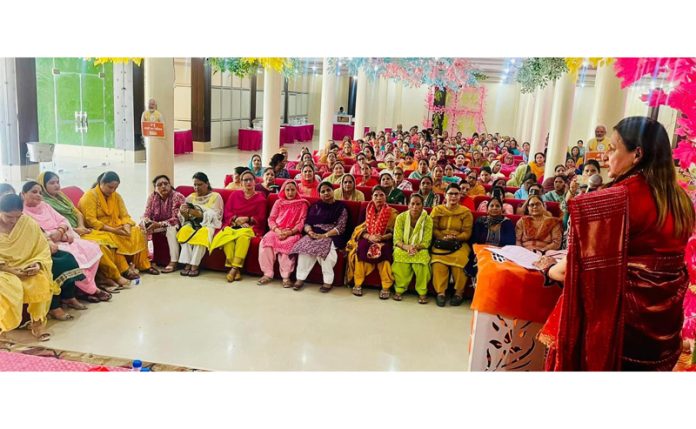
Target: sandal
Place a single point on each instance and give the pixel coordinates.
(152, 271)
(184, 273)
(397, 297)
(103, 296)
(93, 299)
(74, 304)
(194, 273)
(289, 284)
(109, 289)
(169, 268)
(384, 294)
(233, 275)
(298, 286)
(63, 317)
(357, 291)
(265, 280)
(325, 288)
(422, 299)
(130, 275)
(38, 332)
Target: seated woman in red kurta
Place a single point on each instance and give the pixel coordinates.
(626, 256)
(244, 217)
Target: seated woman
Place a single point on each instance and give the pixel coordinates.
(485, 176)
(244, 218)
(366, 178)
(508, 164)
(346, 191)
(370, 156)
(162, 217)
(401, 183)
(268, 186)
(277, 163)
(255, 165)
(235, 184)
(499, 193)
(422, 171)
(109, 276)
(347, 152)
(537, 166)
(325, 228)
(328, 166)
(371, 245)
(460, 163)
(309, 182)
(475, 188)
(337, 173)
(389, 164)
(523, 192)
(537, 231)
(439, 184)
(576, 156)
(477, 160)
(25, 269)
(494, 229)
(285, 222)
(413, 232)
(449, 175)
(452, 225)
(394, 195)
(496, 170)
(57, 230)
(199, 216)
(409, 163)
(559, 190)
(104, 210)
(430, 198)
(547, 184)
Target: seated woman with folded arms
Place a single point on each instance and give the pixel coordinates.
(285, 222)
(394, 195)
(162, 217)
(244, 218)
(325, 228)
(200, 216)
(104, 210)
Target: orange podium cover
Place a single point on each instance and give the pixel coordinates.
(153, 129)
(507, 289)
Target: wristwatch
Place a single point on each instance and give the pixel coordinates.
(548, 281)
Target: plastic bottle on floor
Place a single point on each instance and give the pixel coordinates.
(137, 366)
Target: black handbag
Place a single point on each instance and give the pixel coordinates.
(444, 247)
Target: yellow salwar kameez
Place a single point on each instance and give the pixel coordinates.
(22, 247)
(100, 211)
(458, 222)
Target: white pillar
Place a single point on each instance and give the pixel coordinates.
(360, 105)
(328, 104)
(159, 84)
(519, 116)
(609, 101)
(381, 104)
(272, 87)
(398, 93)
(527, 118)
(542, 119)
(561, 120)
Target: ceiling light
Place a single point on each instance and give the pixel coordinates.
(585, 63)
(512, 61)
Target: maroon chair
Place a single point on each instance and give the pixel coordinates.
(228, 179)
(415, 184)
(367, 190)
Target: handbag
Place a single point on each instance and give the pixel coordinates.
(445, 247)
(195, 225)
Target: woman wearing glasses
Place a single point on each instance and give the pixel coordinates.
(538, 231)
(402, 183)
(162, 217)
(452, 225)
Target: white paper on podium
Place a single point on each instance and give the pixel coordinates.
(523, 257)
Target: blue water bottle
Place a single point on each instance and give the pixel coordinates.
(137, 366)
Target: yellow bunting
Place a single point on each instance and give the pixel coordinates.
(105, 60)
(277, 64)
(574, 64)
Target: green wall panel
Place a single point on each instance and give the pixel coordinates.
(77, 86)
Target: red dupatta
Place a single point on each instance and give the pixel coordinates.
(590, 325)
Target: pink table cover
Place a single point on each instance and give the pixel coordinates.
(342, 130)
(249, 139)
(21, 362)
(183, 142)
(301, 133)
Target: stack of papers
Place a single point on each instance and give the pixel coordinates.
(523, 257)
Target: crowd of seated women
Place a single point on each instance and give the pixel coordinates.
(54, 254)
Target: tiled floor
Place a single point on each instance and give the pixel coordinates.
(207, 323)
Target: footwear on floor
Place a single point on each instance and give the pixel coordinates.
(456, 300)
(440, 300)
